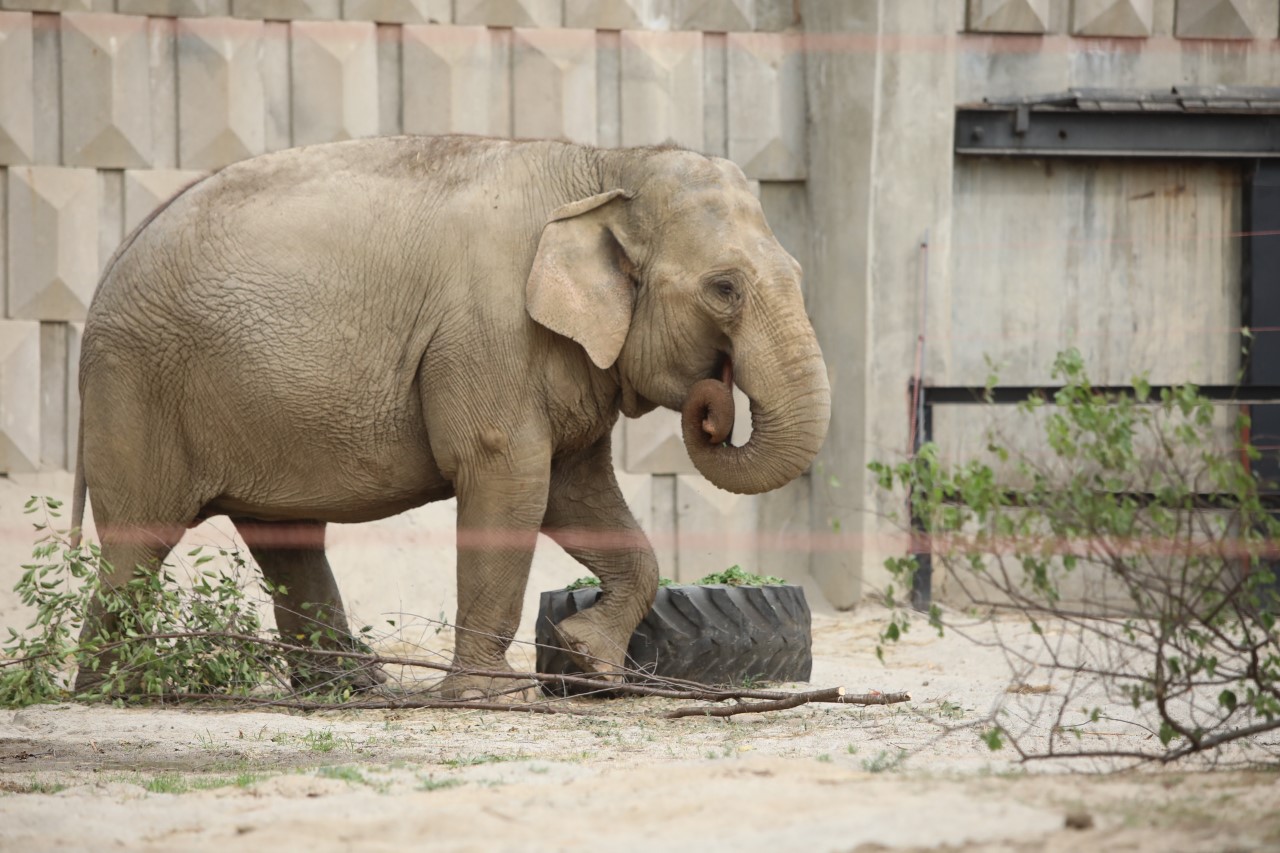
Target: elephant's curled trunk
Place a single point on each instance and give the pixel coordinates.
(789, 415)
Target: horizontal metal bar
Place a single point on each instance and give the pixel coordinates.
(1017, 499)
(1010, 394)
(1026, 132)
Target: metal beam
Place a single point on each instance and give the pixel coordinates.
(1023, 131)
(1011, 394)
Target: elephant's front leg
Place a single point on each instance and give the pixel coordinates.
(587, 516)
(500, 508)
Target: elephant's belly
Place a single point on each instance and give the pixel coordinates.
(323, 510)
(336, 486)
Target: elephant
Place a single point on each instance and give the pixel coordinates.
(341, 332)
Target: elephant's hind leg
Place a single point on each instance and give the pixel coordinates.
(137, 528)
(308, 606)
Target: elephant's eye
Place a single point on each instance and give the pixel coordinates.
(725, 288)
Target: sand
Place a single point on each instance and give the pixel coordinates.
(902, 777)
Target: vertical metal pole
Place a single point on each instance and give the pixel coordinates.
(921, 419)
(922, 582)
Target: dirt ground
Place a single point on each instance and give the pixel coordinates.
(915, 776)
(814, 778)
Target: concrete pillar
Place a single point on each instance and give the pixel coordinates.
(841, 71)
(911, 186)
(880, 82)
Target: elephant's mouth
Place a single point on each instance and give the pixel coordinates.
(710, 403)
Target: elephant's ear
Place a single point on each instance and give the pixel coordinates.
(578, 286)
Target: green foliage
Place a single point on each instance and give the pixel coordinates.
(735, 576)
(169, 639)
(732, 576)
(593, 581)
(1152, 495)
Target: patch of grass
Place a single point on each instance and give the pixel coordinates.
(35, 786)
(473, 760)
(326, 741)
(348, 774)
(851, 749)
(884, 761)
(207, 741)
(824, 758)
(167, 783)
(430, 783)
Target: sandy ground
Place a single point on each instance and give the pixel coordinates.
(903, 777)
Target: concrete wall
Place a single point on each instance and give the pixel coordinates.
(107, 107)
(1136, 265)
(842, 111)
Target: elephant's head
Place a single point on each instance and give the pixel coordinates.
(672, 278)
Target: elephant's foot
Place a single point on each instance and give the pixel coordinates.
(507, 691)
(594, 648)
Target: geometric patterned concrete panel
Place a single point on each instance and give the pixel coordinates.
(508, 13)
(53, 395)
(661, 98)
(653, 443)
(334, 69)
(554, 93)
(398, 11)
(221, 101)
(457, 80)
(17, 99)
(287, 10)
(1008, 16)
(58, 5)
(167, 8)
(713, 15)
(766, 94)
(147, 189)
(717, 529)
(106, 91)
(1115, 18)
(19, 396)
(618, 14)
(75, 333)
(1226, 19)
(53, 242)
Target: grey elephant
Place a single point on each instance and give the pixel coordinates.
(342, 332)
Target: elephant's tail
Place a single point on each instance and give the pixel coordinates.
(78, 489)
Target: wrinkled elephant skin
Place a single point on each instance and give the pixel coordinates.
(342, 332)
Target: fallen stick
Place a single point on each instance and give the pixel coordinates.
(794, 700)
(703, 693)
(770, 700)
(384, 704)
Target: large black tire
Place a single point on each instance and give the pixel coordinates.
(715, 634)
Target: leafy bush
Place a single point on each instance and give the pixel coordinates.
(205, 637)
(732, 576)
(1138, 546)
